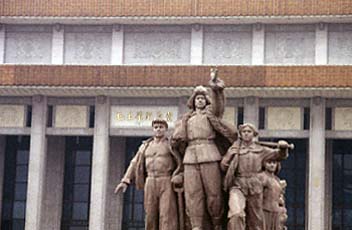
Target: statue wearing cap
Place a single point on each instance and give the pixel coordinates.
(201, 137)
(243, 164)
(151, 169)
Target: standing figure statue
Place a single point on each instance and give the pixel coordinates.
(201, 138)
(273, 196)
(151, 169)
(243, 163)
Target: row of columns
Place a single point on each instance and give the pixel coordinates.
(44, 195)
(258, 45)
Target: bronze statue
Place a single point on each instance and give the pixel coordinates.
(243, 164)
(201, 138)
(151, 169)
(273, 196)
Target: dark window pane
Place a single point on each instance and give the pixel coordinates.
(21, 173)
(6, 210)
(336, 217)
(78, 228)
(80, 211)
(81, 192)
(22, 157)
(83, 157)
(347, 217)
(82, 174)
(18, 225)
(20, 191)
(348, 161)
(19, 210)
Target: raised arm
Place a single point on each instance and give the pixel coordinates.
(217, 95)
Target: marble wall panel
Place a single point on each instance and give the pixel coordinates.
(284, 118)
(28, 44)
(340, 44)
(12, 115)
(230, 115)
(343, 118)
(290, 44)
(157, 45)
(227, 44)
(71, 116)
(87, 45)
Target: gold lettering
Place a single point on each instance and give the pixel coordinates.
(119, 116)
(139, 116)
(129, 116)
(169, 116)
(148, 116)
(159, 115)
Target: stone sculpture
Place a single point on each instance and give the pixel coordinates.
(243, 165)
(151, 169)
(201, 137)
(273, 196)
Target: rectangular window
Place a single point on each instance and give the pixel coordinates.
(342, 185)
(78, 162)
(133, 211)
(15, 183)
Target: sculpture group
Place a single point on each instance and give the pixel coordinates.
(208, 175)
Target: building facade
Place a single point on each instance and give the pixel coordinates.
(80, 82)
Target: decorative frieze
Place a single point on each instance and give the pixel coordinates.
(71, 116)
(227, 45)
(284, 118)
(28, 47)
(12, 116)
(141, 116)
(290, 44)
(342, 118)
(87, 48)
(159, 45)
(340, 44)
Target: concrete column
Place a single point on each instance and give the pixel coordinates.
(114, 213)
(251, 111)
(321, 44)
(100, 165)
(197, 45)
(316, 184)
(2, 44)
(2, 168)
(58, 45)
(54, 183)
(258, 44)
(37, 164)
(117, 45)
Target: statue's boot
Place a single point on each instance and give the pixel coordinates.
(217, 227)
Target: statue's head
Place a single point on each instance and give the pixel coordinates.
(160, 127)
(247, 132)
(272, 166)
(199, 93)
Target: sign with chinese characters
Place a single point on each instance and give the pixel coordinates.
(141, 116)
(12, 115)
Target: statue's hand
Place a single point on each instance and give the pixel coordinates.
(283, 144)
(177, 180)
(217, 84)
(121, 187)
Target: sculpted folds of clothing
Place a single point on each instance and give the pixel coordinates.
(272, 192)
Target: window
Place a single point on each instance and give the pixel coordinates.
(342, 185)
(77, 182)
(15, 183)
(133, 210)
